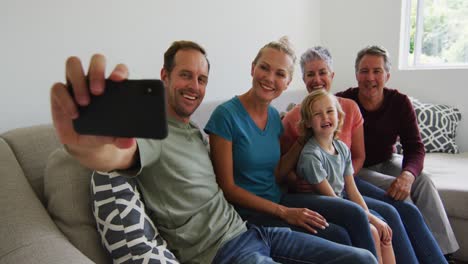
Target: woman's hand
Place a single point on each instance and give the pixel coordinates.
(303, 186)
(303, 217)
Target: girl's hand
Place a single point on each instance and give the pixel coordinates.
(385, 232)
(303, 217)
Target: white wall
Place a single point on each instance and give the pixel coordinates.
(38, 36)
(348, 26)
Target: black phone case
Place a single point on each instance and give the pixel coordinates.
(131, 108)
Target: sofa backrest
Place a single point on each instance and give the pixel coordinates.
(203, 112)
(32, 147)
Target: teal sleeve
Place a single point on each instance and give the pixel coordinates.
(220, 123)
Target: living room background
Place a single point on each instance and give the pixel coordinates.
(37, 37)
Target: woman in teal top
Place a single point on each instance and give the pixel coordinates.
(245, 150)
(255, 152)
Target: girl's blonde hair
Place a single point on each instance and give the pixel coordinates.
(283, 45)
(306, 112)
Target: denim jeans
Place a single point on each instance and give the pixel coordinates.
(411, 236)
(423, 194)
(282, 245)
(348, 221)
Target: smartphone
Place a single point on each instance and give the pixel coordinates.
(131, 109)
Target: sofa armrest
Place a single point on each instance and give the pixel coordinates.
(28, 234)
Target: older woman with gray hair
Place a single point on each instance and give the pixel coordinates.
(411, 245)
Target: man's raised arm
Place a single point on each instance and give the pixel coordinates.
(95, 152)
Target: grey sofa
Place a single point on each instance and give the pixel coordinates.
(32, 230)
(28, 231)
(449, 174)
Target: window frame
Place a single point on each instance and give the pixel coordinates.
(405, 41)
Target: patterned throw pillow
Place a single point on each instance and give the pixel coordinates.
(126, 230)
(437, 125)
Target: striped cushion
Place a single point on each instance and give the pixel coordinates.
(126, 230)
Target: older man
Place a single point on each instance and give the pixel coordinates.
(389, 115)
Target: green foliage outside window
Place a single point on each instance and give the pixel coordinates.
(445, 32)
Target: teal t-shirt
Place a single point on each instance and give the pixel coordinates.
(316, 165)
(179, 187)
(255, 152)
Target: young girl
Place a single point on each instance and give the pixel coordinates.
(326, 162)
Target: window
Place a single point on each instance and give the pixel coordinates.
(435, 34)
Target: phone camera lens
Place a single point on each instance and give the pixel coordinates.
(149, 90)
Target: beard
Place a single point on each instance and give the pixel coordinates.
(182, 109)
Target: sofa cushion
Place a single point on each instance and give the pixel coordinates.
(31, 146)
(27, 233)
(68, 200)
(449, 174)
(126, 230)
(437, 125)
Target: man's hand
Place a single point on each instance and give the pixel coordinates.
(95, 152)
(400, 188)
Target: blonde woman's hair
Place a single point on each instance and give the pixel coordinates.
(283, 45)
(306, 112)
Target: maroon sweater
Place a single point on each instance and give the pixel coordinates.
(396, 117)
